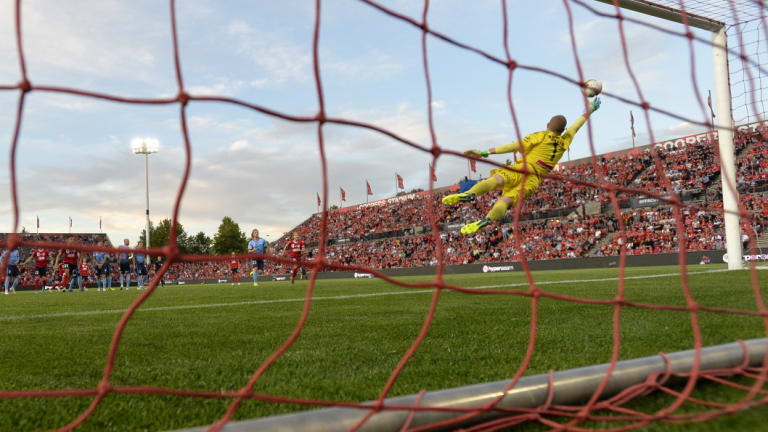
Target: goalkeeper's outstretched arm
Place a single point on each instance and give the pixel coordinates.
(505, 148)
(515, 146)
(593, 106)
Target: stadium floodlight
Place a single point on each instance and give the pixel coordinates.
(146, 146)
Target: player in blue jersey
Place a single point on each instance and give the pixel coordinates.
(103, 270)
(257, 246)
(124, 260)
(139, 260)
(158, 262)
(12, 271)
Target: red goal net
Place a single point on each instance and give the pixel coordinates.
(658, 183)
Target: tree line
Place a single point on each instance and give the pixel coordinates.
(228, 238)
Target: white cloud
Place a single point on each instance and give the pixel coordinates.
(602, 56)
(70, 103)
(438, 105)
(89, 38)
(260, 83)
(221, 87)
(195, 121)
(238, 27)
(241, 183)
(238, 145)
(197, 9)
(403, 121)
(371, 66)
(277, 59)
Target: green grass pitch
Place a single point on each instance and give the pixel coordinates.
(213, 338)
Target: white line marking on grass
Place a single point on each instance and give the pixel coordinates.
(202, 306)
(340, 297)
(598, 280)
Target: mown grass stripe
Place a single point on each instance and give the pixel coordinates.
(340, 297)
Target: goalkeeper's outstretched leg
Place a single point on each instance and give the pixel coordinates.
(509, 181)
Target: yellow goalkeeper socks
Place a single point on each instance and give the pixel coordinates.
(498, 210)
(484, 186)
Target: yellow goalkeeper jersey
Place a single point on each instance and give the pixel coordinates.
(543, 149)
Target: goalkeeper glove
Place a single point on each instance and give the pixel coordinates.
(594, 105)
(477, 153)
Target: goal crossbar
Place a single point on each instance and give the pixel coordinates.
(568, 387)
(668, 13)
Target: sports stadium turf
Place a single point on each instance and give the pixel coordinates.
(213, 338)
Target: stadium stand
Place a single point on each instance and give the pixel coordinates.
(753, 167)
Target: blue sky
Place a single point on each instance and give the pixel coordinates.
(74, 156)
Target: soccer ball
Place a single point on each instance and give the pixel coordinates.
(593, 88)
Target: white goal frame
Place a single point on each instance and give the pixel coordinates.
(724, 123)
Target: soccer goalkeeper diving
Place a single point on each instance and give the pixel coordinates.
(542, 152)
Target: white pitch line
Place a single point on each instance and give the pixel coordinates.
(341, 297)
(202, 306)
(598, 280)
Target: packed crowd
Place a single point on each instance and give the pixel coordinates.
(695, 166)
(409, 211)
(655, 230)
(542, 239)
(691, 167)
(753, 167)
(555, 194)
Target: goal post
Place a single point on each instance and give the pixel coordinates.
(724, 122)
(568, 387)
(724, 128)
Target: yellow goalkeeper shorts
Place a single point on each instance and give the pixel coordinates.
(512, 180)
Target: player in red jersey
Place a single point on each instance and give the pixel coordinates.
(234, 265)
(64, 275)
(71, 257)
(295, 247)
(84, 272)
(41, 257)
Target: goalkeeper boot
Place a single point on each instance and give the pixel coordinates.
(475, 226)
(459, 197)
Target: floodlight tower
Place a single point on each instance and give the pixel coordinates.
(724, 124)
(146, 146)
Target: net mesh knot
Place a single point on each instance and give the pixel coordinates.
(25, 86)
